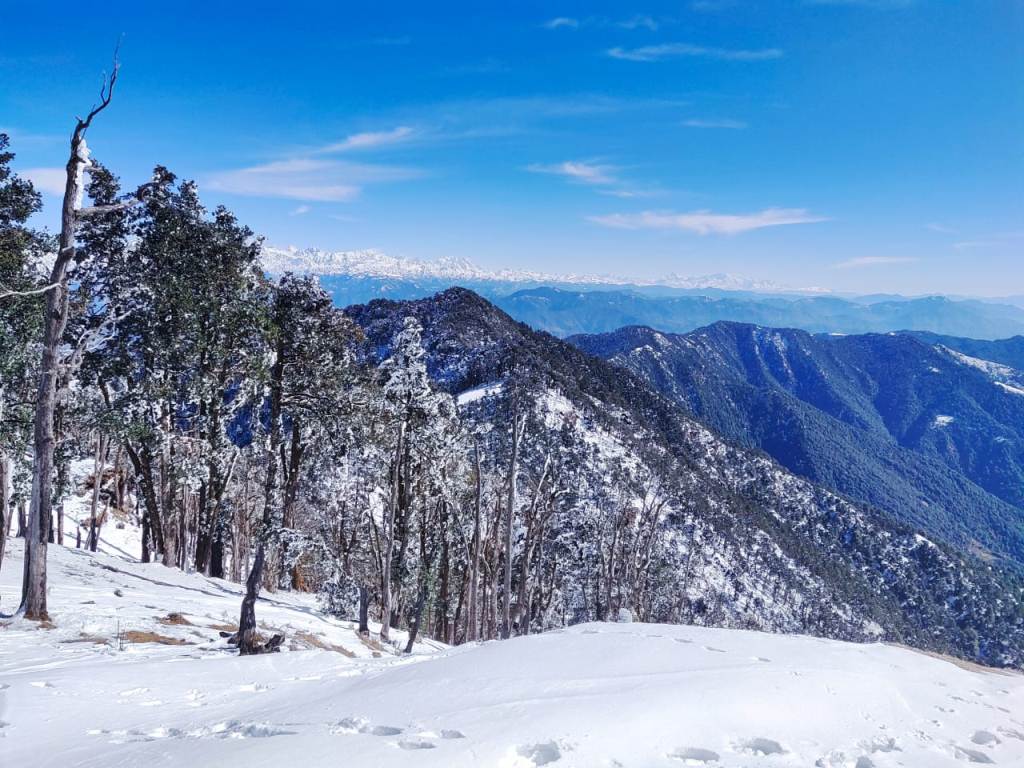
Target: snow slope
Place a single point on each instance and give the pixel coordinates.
(593, 695)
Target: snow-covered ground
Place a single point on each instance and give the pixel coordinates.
(91, 692)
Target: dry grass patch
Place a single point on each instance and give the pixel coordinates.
(372, 643)
(315, 641)
(85, 637)
(140, 636)
(175, 620)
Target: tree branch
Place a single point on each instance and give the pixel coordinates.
(32, 292)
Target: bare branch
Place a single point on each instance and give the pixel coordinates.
(106, 93)
(139, 196)
(32, 292)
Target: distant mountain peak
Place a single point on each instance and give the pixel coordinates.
(373, 263)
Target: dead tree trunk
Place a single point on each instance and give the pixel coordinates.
(33, 598)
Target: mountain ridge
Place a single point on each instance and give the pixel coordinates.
(886, 419)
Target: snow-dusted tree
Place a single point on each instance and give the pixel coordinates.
(310, 382)
(413, 414)
(179, 315)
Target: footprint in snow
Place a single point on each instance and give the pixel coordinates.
(985, 738)
(544, 753)
(971, 755)
(714, 650)
(41, 684)
(359, 725)
(683, 640)
(451, 733)
(761, 747)
(415, 744)
(760, 659)
(694, 755)
(253, 688)
(237, 729)
(1010, 733)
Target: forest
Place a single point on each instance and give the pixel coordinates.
(244, 423)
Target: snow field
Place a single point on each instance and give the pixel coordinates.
(591, 695)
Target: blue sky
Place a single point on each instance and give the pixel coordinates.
(862, 145)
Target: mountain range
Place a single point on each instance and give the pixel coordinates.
(749, 542)
(567, 304)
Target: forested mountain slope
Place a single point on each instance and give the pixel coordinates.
(741, 541)
(919, 430)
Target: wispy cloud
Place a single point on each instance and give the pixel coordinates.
(940, 228)
(48, 180)
(308, 179)
(368, 140)
(885, 5)
(735, 125)
(561, 22)
(603, 177)
(583, 172)
(640, 21)
(706, 222)
(677, 50)
(873, 261)
(302, 210)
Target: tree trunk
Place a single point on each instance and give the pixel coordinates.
(248, 639)
(506, 598)
(6, 512)
(33, 600)
(414, 627)
(389, 544)
(364, 611)
(472, 622)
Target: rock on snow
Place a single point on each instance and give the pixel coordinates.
(592, 695)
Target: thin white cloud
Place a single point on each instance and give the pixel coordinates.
(301, 210)
(369, 140)
(561, 22)
(873, 261)
(306, 179)
(640, 21)
(706, 222)
(884, 5)
(735, 125)
(677, 50)
(48, 180)
(583, 172)
(940, 228)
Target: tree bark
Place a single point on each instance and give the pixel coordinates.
(472, 622)
(389, 544)
(248, 638)
(506, 598)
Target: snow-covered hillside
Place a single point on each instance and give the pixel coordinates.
(97, 690)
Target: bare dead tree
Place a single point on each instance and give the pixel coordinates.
(33, 597)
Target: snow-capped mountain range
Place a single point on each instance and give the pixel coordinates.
(372, 263)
